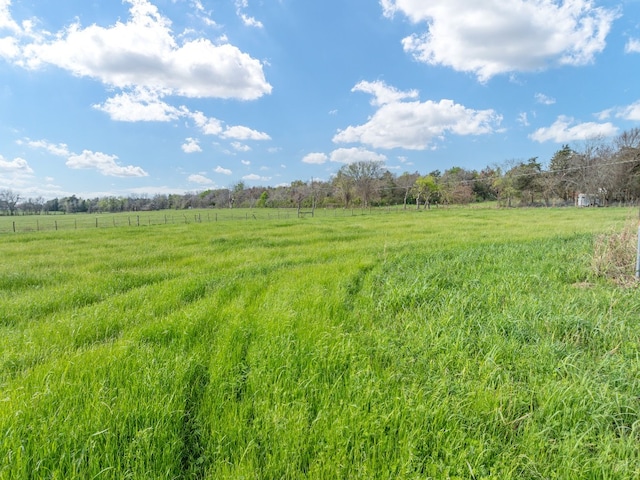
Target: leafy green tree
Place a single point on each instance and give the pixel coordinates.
(503, 185)
(526, 180)
(563, 181)
(262, 201)
(483, 189)
(425, 187)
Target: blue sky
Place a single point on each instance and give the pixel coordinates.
(170, 96)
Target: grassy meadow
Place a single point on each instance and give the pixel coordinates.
(461, 343)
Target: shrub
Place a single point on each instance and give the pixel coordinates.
(615, 254)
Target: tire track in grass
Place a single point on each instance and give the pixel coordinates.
(97, 324)
(193, 459)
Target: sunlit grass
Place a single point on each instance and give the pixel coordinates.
(456, 343)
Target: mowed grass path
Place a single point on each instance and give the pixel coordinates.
(440, 344)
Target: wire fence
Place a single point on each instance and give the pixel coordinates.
(77, 221)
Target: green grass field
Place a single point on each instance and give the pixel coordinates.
(462, 343)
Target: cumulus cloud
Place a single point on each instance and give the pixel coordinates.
(566, 130)
(351, 155)
(59, 149)
(143, 59)
(414, 125)
(17, 166)
(628, 112)
(523, 119)
(208, 125)
(632, 46)
(223, 171)
(240, 147)
(544, 99)
(191, 145)
(254, 177)
(247, 20)
(240, 132)
(15, 173)
(315, 158)
(383, 93)
(105, 164)
(144, 64)
(200, 179)
(140, 105)
(102, 162)
(250, 21)
(213, 126)
(143, 105)
(6, 21)
(491, 38)
(143, 53)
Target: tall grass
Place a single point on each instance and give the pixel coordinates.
(441, 344)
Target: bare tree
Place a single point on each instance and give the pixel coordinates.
(406, 182)
(8, 201)
(343, 187)
(365, 177)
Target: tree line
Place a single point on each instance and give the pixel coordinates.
(604, 171)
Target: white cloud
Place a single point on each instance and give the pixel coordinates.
(191, 145)
(254, 177)
(565, 130)
(142, 53)
(103, 163)
(9, 48)
(200, 179)
(250, 21)
(240, 147)
(415, 125)
(245, 162)
(239, 132)
(59, 150)
(632, 46)
(203, 14)
(494, 37)
(213, 126)
(208, 126)
(629, 112)
(6, 21)
(223, 171)
(523, 119)
(246, 19)
(350, 155)
(315, 158)
(17, 166)
(544, 100)
(383, 93)
(140, 105)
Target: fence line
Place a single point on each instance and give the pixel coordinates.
(78, 221)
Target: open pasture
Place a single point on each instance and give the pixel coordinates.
(437, 344)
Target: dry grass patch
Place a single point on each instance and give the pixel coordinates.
(614, 255)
